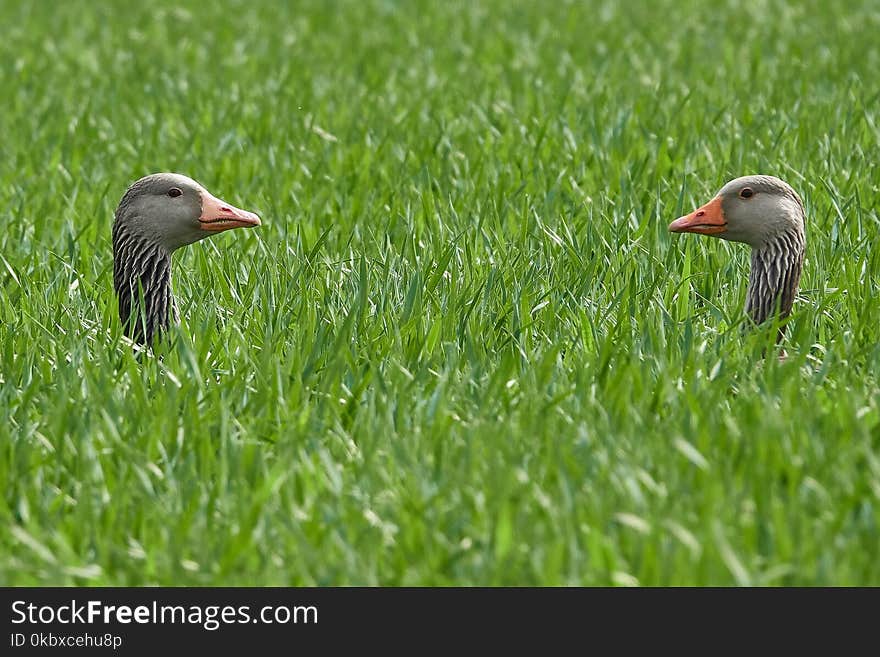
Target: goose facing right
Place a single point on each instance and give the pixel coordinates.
(157, 215)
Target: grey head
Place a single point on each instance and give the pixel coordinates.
(756, 210)
(171, 210)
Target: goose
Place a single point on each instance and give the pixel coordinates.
(157, 215)
(768, 215)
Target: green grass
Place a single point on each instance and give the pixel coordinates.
(463, 348)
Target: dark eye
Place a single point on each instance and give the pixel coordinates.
(746, 192)
(174, 192)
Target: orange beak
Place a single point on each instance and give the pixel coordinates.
(707, 220)
(218, 215)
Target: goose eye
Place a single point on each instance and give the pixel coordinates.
(174, 192)
(746, 192)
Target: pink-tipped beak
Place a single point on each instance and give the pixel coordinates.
(706, 220)
(218, 215)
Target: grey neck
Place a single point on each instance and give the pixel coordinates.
(776, 272)
(142, 272)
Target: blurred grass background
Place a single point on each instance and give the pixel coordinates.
(463, 348)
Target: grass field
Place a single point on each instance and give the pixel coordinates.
(463, 347)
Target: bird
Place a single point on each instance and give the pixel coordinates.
(767, 214)
(157, 215)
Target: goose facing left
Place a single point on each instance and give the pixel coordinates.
(157, 215)
(768, 215)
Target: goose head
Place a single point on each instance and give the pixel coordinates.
(172, 210)
(755, 210)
